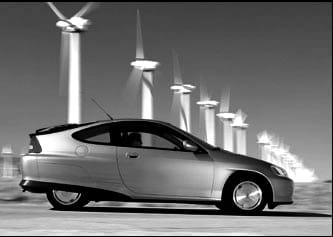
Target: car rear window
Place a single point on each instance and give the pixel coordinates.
(100, 134)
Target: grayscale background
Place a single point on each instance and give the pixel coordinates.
(276, 57)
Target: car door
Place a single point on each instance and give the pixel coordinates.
(159, 165)
(100, 155)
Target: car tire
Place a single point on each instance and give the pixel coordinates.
(63, 200)
(244, 195)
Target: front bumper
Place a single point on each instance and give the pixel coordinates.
(283, 189)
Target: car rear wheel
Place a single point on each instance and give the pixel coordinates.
(64, 200)
(244, 196)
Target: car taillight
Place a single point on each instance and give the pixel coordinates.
(34, 146)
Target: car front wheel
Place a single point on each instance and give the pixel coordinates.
(245, 196)
(64, 200)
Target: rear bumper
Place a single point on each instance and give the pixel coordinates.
(91, 193)
(42, 187)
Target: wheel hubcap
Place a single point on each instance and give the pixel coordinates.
(66, 198)
(247, 195)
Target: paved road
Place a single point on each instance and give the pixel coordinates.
(41, 219)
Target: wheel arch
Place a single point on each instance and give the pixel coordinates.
(253, 174)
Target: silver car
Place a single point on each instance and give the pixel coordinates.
(146, 161)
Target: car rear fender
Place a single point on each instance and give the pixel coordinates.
(56, 169)
(29, 167)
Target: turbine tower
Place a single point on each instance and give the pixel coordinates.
(70, 58)
(144, 69)
(226, 118)
(208, 107)
(240, 128)
(8, 168)
(182, 92)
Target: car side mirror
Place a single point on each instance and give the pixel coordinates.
(190, 146)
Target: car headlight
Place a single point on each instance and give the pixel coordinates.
(279, 171)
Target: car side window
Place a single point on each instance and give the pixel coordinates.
(97, 135)
(146, 139)
(150, 135)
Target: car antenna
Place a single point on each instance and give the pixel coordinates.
(101, 108)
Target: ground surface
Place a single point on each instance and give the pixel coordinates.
(33, 219)
(30, 214)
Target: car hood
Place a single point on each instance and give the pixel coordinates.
(237, 161)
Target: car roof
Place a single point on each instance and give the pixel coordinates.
(130, 120)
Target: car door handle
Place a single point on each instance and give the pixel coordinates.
(132, 155)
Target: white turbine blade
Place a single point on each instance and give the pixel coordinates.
(64, 64)
(56, 11)
(86, 9)
(132, 87)
(225, 100)
(175, 108)
(139, 42)
(243, 116)
(176, 69)
(203, 92)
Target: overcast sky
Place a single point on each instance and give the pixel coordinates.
(276, 57)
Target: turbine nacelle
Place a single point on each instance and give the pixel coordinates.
(226, 116)
(239, 119)
(182, 88)
(74, 24)
(7, 149)
(264, 138)
(239, 125)
(145, 65)
(208, 103)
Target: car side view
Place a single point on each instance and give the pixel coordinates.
(146, 161)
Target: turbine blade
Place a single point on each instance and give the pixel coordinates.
(243, 116)
(64, 64)
(203, 91)
(139, 41)
(56, 11)
(86, 9)
(225, 100)
(176, 69)
(175, 108)
(132, 87)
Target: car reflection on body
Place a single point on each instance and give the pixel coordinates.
(146, 161)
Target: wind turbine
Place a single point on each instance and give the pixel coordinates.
(71, 30)
(226, 118)
(8, 168)
(182, 92)
(207, 106)
(274, 149)
(264, 141)
(240, 128)
(143, 69)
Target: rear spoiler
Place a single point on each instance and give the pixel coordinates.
(57, 128)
